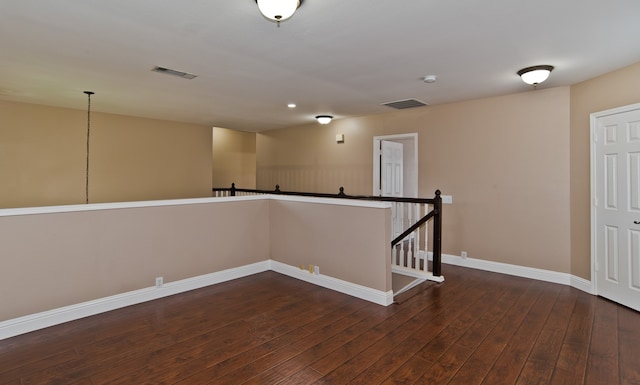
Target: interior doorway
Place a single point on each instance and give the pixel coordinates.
(407, 178)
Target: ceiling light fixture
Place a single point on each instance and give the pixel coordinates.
(536, 74)
(291, 105)
(429, 79)
(324, 119)
(278, 10)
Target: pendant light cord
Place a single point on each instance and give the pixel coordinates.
(86, 191)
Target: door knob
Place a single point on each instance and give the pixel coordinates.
(636, 222)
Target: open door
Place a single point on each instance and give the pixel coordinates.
(408, 179)
(391, 168)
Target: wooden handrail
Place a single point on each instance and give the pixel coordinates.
(233, 189)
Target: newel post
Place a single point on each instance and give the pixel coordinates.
(437, 235)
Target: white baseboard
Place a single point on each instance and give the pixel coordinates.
(32, 322)
(37, 321)
(582, 284)
(520, 271)
(352, 289)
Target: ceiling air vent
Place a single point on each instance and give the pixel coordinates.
(403, 104)
(169, 71)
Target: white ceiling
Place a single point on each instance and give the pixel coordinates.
(337, 57)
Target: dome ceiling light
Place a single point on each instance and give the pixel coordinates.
(324, 119)
(535, 75)
(278, 10)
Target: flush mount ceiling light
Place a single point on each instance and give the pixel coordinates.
(278, 10)
(324, 119)
(536, 74)
(429, 79)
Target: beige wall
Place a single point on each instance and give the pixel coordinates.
(346, 242)
(505, 161)
(60, 259)
(51, 260)
(308, 158)
(43, 149)
(42, 155)
(234, 158)
(615, 89)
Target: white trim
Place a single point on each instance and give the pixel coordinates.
(582, 284)
(592, 152)
(32, 322)
(119, 205)
(37, 321)
(592, 198)
(331, 201)
(179, 202)
(428, 275)
(520, 271)
(352, 289)
(413, 284)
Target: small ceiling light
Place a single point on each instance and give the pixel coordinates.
(536, 74)
(278, 10)
(324, 119)
(291, 105)
(429, 79)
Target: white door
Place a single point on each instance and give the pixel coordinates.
(391, 184)
(409, 167)
(391, 168)
(617, 206)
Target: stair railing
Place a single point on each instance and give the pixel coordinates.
(404, 259)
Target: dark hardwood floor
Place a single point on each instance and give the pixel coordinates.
(476, 328)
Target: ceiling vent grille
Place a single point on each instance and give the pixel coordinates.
(169, 71)
(404, 104)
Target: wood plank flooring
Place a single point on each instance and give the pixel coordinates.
(476, 328)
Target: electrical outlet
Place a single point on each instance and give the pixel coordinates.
(463, 254)
(159, 282)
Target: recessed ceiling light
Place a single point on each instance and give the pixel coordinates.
(291, 105)
(429, 79)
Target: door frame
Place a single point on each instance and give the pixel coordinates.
(592, 141)
(413, 137)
